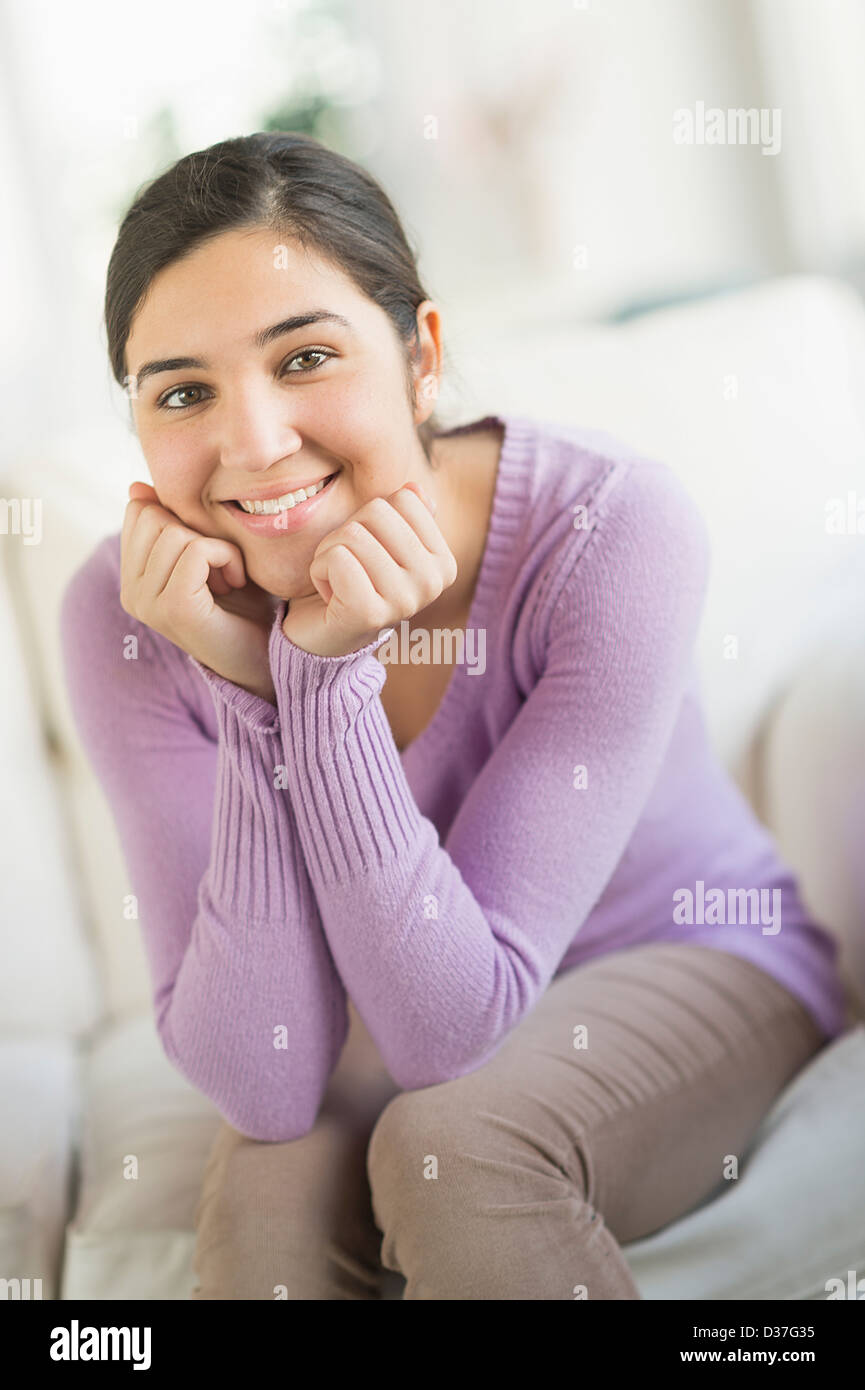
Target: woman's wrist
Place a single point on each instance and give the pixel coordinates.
(246, 665)
(264, 691)
(334, 647)
(258, 682)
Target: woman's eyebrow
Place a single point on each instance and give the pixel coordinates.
(260, 340)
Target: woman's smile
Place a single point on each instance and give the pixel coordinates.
(281, 510)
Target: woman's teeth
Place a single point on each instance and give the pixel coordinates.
(282, 504)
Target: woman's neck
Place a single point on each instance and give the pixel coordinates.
(464, 483)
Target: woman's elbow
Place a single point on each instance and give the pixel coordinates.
(268, 1117)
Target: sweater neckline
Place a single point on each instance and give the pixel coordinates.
(506, 515)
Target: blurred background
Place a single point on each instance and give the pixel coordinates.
(529, 148)
(641, 218)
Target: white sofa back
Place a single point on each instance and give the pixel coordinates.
(757, 400)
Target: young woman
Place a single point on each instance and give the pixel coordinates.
(487, 965)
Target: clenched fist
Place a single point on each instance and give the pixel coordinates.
(194, 590)
(385, 563)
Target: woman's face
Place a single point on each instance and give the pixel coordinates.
(247, 422)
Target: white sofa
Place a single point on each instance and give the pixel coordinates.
(756, 399)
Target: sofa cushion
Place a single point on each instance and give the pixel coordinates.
(48, 980)
(38, 1083)
(146, 1134)
(75, 513)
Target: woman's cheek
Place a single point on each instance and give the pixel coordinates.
(178, 505)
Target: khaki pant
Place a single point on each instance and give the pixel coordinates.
(523, 1179)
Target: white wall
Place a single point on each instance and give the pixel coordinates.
(589, 97)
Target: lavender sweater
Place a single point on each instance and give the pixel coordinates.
(563, 803)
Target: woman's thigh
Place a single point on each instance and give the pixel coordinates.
(293, 1220)
(626, 1097)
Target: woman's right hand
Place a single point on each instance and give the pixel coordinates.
(193, 589)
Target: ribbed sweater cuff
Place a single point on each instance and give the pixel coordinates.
(253, 868)
(354, 808)
(252, 710)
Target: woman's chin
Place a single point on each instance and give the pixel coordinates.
(279, 589)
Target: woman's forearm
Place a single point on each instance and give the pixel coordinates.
(255, 1016)
(247, 1000)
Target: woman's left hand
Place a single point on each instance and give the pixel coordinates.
(385, 563)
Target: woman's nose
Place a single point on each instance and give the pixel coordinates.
(254, 430)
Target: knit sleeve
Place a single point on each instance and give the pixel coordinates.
(247, 1002)
(444, 948)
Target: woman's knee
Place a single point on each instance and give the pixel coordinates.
(418, 1192)
(446, 1151)
(471, 1196)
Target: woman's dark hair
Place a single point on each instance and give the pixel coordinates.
(283, 180)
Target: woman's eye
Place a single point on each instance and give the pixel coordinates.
(163, 402)
(308, 352)
(178, 391)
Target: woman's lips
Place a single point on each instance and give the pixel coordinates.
(280, 523)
